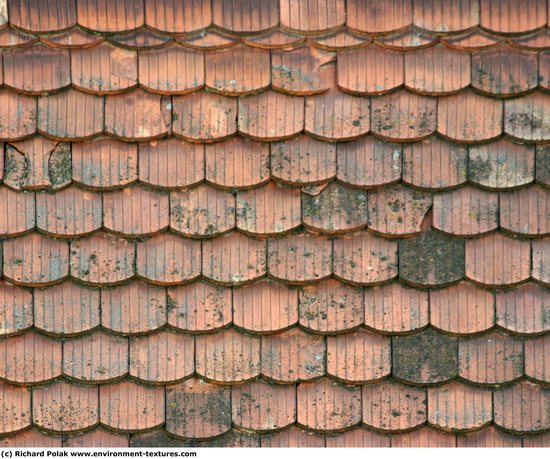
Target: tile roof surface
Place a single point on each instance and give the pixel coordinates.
(275, 223)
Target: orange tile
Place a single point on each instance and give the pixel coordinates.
(536, 41)
(240, 16)
(358, 357)
(127, 406)
(135, 308)
(15, 403)
(16, 212)
(462, 309)
(17, 312)
(271, 116)
(14, 127)
(302, 71)
(434, 16)
(393, 308)
(208, 40)
(423, 438)
(471, 41)
(427, 357)
(524, 309)
(312, 16)
(536, 441)
(260, 406)
(102, 259)
(358, 438)
(326, 405)
(30, 358)
(141, 39)
(70, 115)
(537, 357)
(123, 15)
(162, 357)
(233, 259)
(66, 309)
(97, 438)
(370, 70)
(45, 16)
(197, 409)
(294, 437)
(227, 356)
(199, 307)
(274, 39)
(62, 407)
(204, 116)
(514, 16)
(178, 17)
(32, 438)
(379, 16)
(330, 306)
(541, 260)
(95, 358)
(104, 163)
(365, 259)
(265, 307)
(300, 258)
(518, 214)
(72, 39)
(544, 70)
(488, 438)
(522, 408)
(490, 359)
(525, 118)
(293, 356)
(406, 41)
(342, 40)
(392, 406)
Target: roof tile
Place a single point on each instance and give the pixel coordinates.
(518, 215)
(543, 165)
(73, 38)
(15, 403)
(141, 39)
(358, 438)
(470, 41)
(423, 438)
(124, 15)
(312, 16)
(513, 16)
(275, 39)
(245, 16)
(526, 118)
(537, 352)
(488, 438)
(45, 16)
(341, 40)
(407, 41)
(536, 441)
(380, 16)
(16, 212)
(32, 438)
(16, 314)
(434, 16)
(541, 260)
(97, 438)
(17, 115)
(294, 437)
(178, 17)
(544, 70)
(208, 40)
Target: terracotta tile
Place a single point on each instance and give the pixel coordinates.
(227, 356)
(536, 41)
(70, 115)
(496, 260)
(178, 17)
(462, 309)
(37, 69)
(16, 212)
(294, 437)
(12, 126)
(501, 164)
(104, 163)
(163, 357)
(102, 259)
(337, 116)
(370, 70)
(95, 358)
(392, 406)
(488, 438)
(337, 41)
(544, 70)
(199, 307)
(522, 408)
(525, 211)
(208, 40)
(62, 407)
(471, 41)
(302, 71)
(97, 438)
(66, 309)
(504, 71)
(127, 406)
(158, 438)
(45, 16)
(16, 408)
(380, 16)
(526, 118)
(468, 117)
(514, 16)
(537, 352)
(16, 314)
(365, 259)
(431, 259)
(141, 39)
(368, 162)
(541, 261)
(72, 39)
(524, 310)
(536, 441)
(360, 356)
(69, 212)
(265, 307)
(197, 409)
(30, 358)
(466, 212)
(300, 258)
(423, 438)
(261, 406)
(393, 308)
(233, 259)
(434, 16)
(32, 438)
(407, 41)
(490, 359)
(271, 116)
(135, 308)
(403, 116)
(325, 405)
(358, 438)
(240, 16)
(427, 357)
(123, 15)
(312, 16)
(231, 439)
(543, 165)
(293, 356)
(330, 306)
(204, 116)
(274, 39)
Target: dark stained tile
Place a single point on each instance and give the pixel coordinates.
(294, 437)
(488, 438)
(393, 308)
(379, 16)
(265, 307)
(361, 356)
(178, 17)
(526, 118)
(434, 16)
(32, 438)
(227, 356)
(543, 165)
(423, 438)
(537, 354)
(540, 270)
(365, 259)
(392, 406)
(526, 212)
(97, 438)
(15, 404)
(513, 16)
(245, 16)
(16, 314)
(63, 407)
(490, 359)
(156, 438)
(16, 211)
(12, 126)
(427, 357)
(358, 438)
(544, 70)
(123, 15)
(95, 358)
(231, 439)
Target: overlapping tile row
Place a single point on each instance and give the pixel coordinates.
(274, 223)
